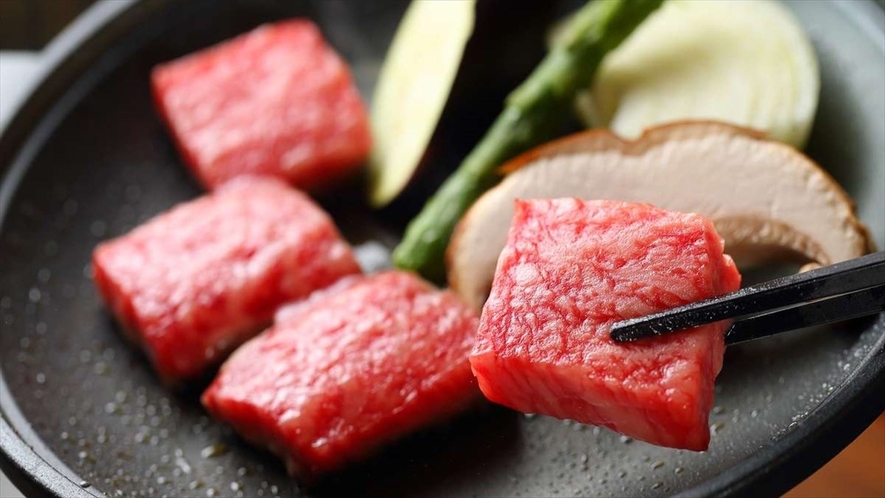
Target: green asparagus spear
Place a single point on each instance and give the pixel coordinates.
(531, 115)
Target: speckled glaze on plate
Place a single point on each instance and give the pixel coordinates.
(86, 158)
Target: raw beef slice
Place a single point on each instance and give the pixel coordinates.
(572, 268)
(277, 101)
(194, 282)
(366, 361)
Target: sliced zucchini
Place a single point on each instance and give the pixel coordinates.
(413, 87)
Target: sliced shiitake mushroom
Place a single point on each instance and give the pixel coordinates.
(767, 200)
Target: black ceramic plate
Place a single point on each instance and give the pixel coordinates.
(86, 158)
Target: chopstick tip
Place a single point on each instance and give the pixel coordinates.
(621, 332)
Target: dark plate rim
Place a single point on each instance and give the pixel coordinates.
(771, 470)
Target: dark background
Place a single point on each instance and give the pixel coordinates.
(31, 24)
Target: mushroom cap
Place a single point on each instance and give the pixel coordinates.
(767, 200)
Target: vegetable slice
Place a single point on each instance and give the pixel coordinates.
(766, 199)
(413, 86)
(533, 113)
(746, 63)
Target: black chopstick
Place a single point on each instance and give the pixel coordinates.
(842, 278)
(836, 309)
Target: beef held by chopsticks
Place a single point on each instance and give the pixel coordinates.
(571, 269)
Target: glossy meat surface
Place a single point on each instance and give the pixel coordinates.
(572, 268)
(277, 101)
(366, 361)
(199, 279)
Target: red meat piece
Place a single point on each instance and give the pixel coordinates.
(369, 360)
(276, 101)
(571, 269)
(196, 281)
